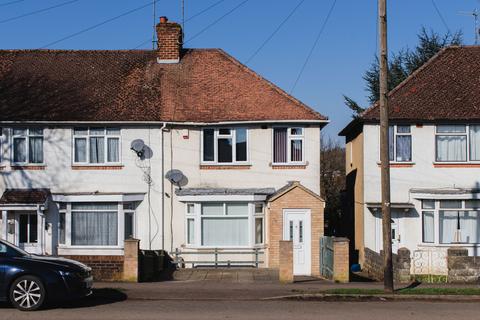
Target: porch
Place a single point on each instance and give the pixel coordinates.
(23, 219)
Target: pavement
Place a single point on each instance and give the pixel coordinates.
(239, 294)
(278, 310)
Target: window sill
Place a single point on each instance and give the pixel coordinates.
(456, 165)
(406, 164)
(225, 166)
(289, 166)
(28, 167)
(97, 167)
(63, 246)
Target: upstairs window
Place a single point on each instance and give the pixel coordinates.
(400, 143)
(288, 145)
(96, 145)
(27, 145)
(451, 143)
(225, 145)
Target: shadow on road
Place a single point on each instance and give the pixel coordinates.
(99, 297)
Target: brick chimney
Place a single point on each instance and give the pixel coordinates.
(169, 35)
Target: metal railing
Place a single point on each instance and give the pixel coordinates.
(178, 258)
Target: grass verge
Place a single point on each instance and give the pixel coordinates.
(406, 291)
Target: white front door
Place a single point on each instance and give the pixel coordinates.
(297, 228)
(28, 231)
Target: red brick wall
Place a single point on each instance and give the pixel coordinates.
(104, 268)
(169, 36)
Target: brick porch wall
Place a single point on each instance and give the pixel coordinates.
(104, 268)
(294, 199)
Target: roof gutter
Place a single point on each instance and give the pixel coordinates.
(162, 123)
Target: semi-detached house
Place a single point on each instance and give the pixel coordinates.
(247, 154)
(434, 164)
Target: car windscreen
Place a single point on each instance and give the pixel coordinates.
(9, 250)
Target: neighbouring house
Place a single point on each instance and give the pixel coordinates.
(183, 149)
(434, 164)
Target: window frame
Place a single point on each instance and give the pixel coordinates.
(120, 225)
(436, 221)
(197, 217)
(290, 138)
(105, 137)
(468, 155)
(394, 142)
(216, 137)
(27, 136)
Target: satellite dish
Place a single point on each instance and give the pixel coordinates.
(138, 147)
(175, 176)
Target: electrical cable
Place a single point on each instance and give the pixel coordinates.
(275, 31)
(98, 24)
(217, 21)
(10, 2)
(314, 45)
(440, 15)
(36, 11)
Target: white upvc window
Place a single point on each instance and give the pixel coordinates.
(451, 221)
(224, 224)
(457, 143)
(96, 145)
(224, 146)
(288, 145)
(258, 223)
(400, 143)
(27, 145)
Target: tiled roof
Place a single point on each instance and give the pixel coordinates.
(24, 196)
(447, 87)
(206, 86)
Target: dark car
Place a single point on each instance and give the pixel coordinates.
(28, 281)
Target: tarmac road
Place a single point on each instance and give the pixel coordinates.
(254, 309)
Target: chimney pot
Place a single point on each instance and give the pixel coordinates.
(163, 19)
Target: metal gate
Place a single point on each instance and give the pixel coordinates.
(326, 257)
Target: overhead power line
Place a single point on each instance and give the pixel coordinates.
(149, 3)
(37, 11)
(217, 21)
(187, 20)
(314, 44)
(275, 31)
(204, 10)
(10, 2)
(440, 15)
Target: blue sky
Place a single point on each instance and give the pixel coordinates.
(344, 51)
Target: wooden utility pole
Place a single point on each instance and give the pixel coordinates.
(384, 150)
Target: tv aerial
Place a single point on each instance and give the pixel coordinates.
(476, 15)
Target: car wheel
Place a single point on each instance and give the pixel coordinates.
(27, 293)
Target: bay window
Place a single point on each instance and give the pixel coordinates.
(96, 145)
(224, 224)
(288, 145)
(27, 145)
(458, 221)
(94, 224)
(400, 143)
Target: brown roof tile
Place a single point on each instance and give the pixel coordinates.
(207, 86)
(24, 196)
(446, 88)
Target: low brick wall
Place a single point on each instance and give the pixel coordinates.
(373, 265)
(461, 267)
(341, 260)
(104, 268)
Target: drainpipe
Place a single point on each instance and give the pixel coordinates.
(163, 185)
